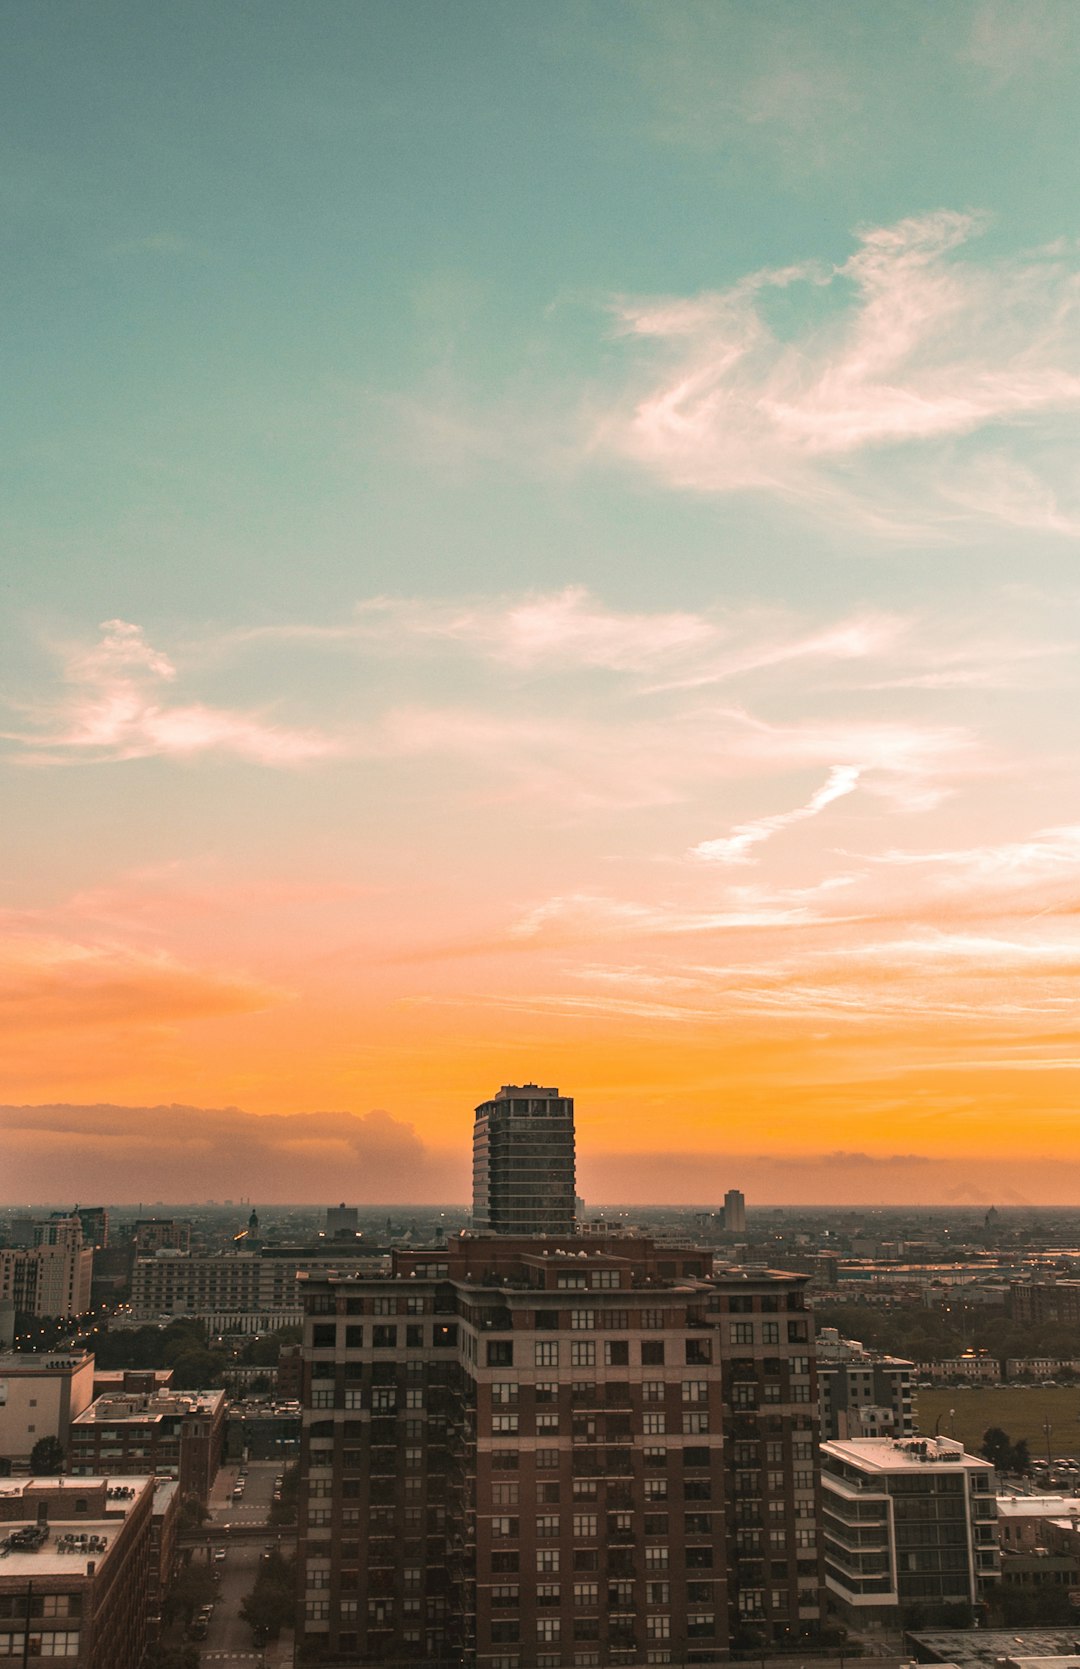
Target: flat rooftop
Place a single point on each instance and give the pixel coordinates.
(72, 1543)
(1038, 1506)
(898, 1454)
(989, 1646)
(145, 1407)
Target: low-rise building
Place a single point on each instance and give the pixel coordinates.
(40, 1395)
(169, 1434)
(861, 1392)
(909, 1522)
(75, 1571)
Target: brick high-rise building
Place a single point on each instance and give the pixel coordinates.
(523, 1163)
(522, 1457)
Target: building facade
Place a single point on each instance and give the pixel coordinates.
(52, 1276)
(167, 1434)
(861, 1392)
(235, 1292)
(40, 1395)
(75, 1571)
(734, 1212)
(523, 1163)
(908, 1523)
(522, 1458)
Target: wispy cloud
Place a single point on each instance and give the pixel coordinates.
(115, 711)
(571, 628)
(908, 346)
(736, 847)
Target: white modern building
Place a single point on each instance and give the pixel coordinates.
(861, 1392)
(908, 1523)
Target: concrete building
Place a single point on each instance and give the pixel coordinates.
(52, 1276)
(862, 1393)
(237, 1292)
(342, 1221)
(734, 1212)
(40, 1395)
(523, 1163)
(168, 1434)
(161, 1234)
(522, 1456)
(75, 1571)
(908, 1523)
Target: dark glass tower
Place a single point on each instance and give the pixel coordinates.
(523, 1162)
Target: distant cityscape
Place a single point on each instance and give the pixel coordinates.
(535, 1435)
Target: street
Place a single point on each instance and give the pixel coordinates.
(229, 1637)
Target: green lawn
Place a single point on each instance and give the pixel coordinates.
(1019, 1410)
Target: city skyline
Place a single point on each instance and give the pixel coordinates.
(543, 549)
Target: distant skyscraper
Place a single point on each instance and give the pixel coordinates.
(523, 1162)
(735, 1211)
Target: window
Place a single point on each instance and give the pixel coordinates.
(500, 1353)
(504, 1495)
(587, 1594)
(383, 1306)
(547, 1422)
(324, 1335)
(741, 1332)
(546, 1458)
(585, 1526)
(354, 1338)
(547, 1560)
(652, 1390)
(504, 1392)
(414, 1337)
(582, 1353)
(546, 1353)
(656, 1558)
(654, 1455)
(654, 1423)
(617, 1353)
(652, 1353)
(658, 1628)
(546, 1390)
(501, 1528)
(695, 1423)
(571, 1283)
(770, 1332)
(656, 1489)
(504, 1423)
(695, 1390)
(547, 1525)
(604, 1278)
(797, 1332)
(506, 1594)
(547, 1593)
(384, 1338)
(582, 1321)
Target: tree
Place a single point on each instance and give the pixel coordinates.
(194, 1587)
(271, 1605)
(284, 1511)
(193, 1513)
(47, 1457)
(1020, 1459)
(997, 1448)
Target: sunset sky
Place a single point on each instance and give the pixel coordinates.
(541, 544)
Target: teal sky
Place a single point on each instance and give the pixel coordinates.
(587, 501)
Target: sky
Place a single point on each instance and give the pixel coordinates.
(541, 545)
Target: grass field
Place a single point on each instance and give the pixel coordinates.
(1020, 1410)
